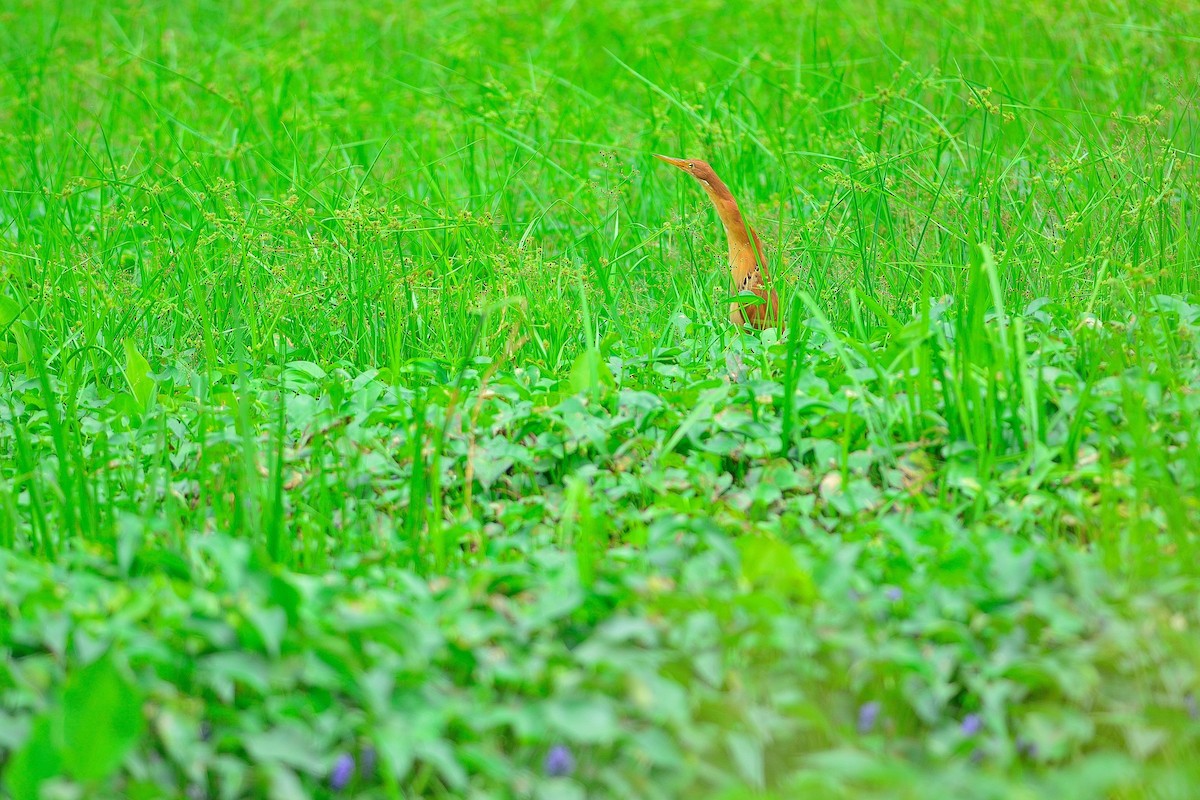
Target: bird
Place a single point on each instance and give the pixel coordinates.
(747, 262)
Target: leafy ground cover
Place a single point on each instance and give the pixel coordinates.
(369, 427)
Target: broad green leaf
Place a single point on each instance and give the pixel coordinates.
(493, 459)
(747, 752)
(33, 764)
(844, 762)
(657, 747)
(1144, 740)
(10, 313)
(181, 739)
(1058, 731)
(745, 299)
(589, 373)
(442, 756)
(307, 368)
(559, 789)
(588, 720)
(271, 624)
(223, 671)
(100, 720)
(130, 535)
(137, 373)
(427, 366)
(770, 564)
(284, 594)
(286, 744)
(285, 785)
(14, 728)
(396, 748)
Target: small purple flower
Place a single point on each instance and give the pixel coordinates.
(342, 772)
(1193, 709)
(868, 715)
(972, 724)
(1026, 747)
(977, 756)
(559, 762)
(894, 593)
(206, 730)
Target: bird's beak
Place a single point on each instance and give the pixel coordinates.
(674, 162)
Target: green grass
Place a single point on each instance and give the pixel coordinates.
(366, 389)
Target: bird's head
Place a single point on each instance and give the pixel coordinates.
(699, 170)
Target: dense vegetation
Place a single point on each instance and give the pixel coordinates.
(370, 424)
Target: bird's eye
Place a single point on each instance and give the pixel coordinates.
(691, 165)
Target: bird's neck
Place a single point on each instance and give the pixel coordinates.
(739, 234)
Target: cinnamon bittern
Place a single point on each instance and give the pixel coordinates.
(746, 259)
